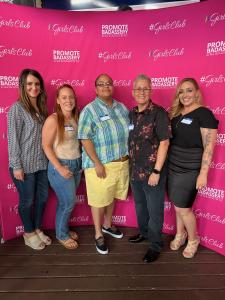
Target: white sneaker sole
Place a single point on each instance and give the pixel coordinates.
(102, 252)
(113, 235)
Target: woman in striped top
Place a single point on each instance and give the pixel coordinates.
(27, 161)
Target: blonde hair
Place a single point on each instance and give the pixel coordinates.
(60, 116)
(177, 106)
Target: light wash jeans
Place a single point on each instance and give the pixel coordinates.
(65, 190)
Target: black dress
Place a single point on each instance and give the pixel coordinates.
(185, 154)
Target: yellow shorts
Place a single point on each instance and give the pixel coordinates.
(101, 192)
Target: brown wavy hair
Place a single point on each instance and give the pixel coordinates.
(177, 106)
(41, 98)
(60, 116)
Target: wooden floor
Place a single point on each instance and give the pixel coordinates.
(58, 273)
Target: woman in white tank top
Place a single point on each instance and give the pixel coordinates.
(61, 146)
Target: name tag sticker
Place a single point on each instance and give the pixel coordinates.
(68, 128)
(131, 126)
(104, 118)
(187, 121)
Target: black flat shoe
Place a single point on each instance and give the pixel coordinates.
(151, 255)
(138, 238)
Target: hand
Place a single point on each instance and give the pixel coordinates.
(65, 172)
(100, 170)
(153, 179)
(18, 174)
(201, 181)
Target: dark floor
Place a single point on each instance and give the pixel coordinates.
(58, 273)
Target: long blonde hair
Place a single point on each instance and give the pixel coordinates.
(60, 116)
(177, 106)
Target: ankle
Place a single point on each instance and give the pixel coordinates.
(180, 232)
(29, 234)
(97, 236)
(106, 225)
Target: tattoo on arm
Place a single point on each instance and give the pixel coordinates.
(208, 140)
(206, 137)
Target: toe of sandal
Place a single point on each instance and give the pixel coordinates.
(34, 242)
(44, 238)
(191, 248)
(69, 243)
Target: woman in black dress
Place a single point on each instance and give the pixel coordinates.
(194, 130)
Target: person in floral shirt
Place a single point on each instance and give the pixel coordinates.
(148, 144)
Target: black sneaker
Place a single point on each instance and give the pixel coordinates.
(101, 246)
(113, 231)
(138, 238)
(151, 255)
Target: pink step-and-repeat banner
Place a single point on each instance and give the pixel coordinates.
(74, 47)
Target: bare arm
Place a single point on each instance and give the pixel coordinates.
(90, 150)
(208, 140)
(49, 132)
(161, 157)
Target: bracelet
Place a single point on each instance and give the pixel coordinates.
(155, 171)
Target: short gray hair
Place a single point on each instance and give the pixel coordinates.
(142, 77)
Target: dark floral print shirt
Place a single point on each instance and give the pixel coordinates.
(147, 129)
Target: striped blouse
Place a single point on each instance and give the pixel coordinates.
(24, 141)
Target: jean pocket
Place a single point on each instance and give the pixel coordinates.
(64, 162)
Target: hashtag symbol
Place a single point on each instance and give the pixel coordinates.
(151, 27)
(100, 55)
(53, 82)
(202, 79)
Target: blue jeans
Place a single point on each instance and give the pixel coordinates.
(33, 194)
(65, 190)
(149, 204)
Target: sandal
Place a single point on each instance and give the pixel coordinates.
(44, 238)
(69, 244)
(191, 248)
(73, 235)
(178, 241)
(34, 242)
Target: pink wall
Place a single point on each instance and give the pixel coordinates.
(74, 47)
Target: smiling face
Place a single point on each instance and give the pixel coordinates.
(32, 88)
(66, 99)
(142, 92)
(104, 88)
(188, 94)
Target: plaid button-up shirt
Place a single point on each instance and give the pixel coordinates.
(107, 128)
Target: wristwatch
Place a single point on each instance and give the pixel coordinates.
(155, 171)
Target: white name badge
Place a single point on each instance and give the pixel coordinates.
(68, 128)
(131, 127)
(104, 118)
(187, 121)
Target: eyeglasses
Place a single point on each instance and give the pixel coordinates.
(103, 84)
(145, 91)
